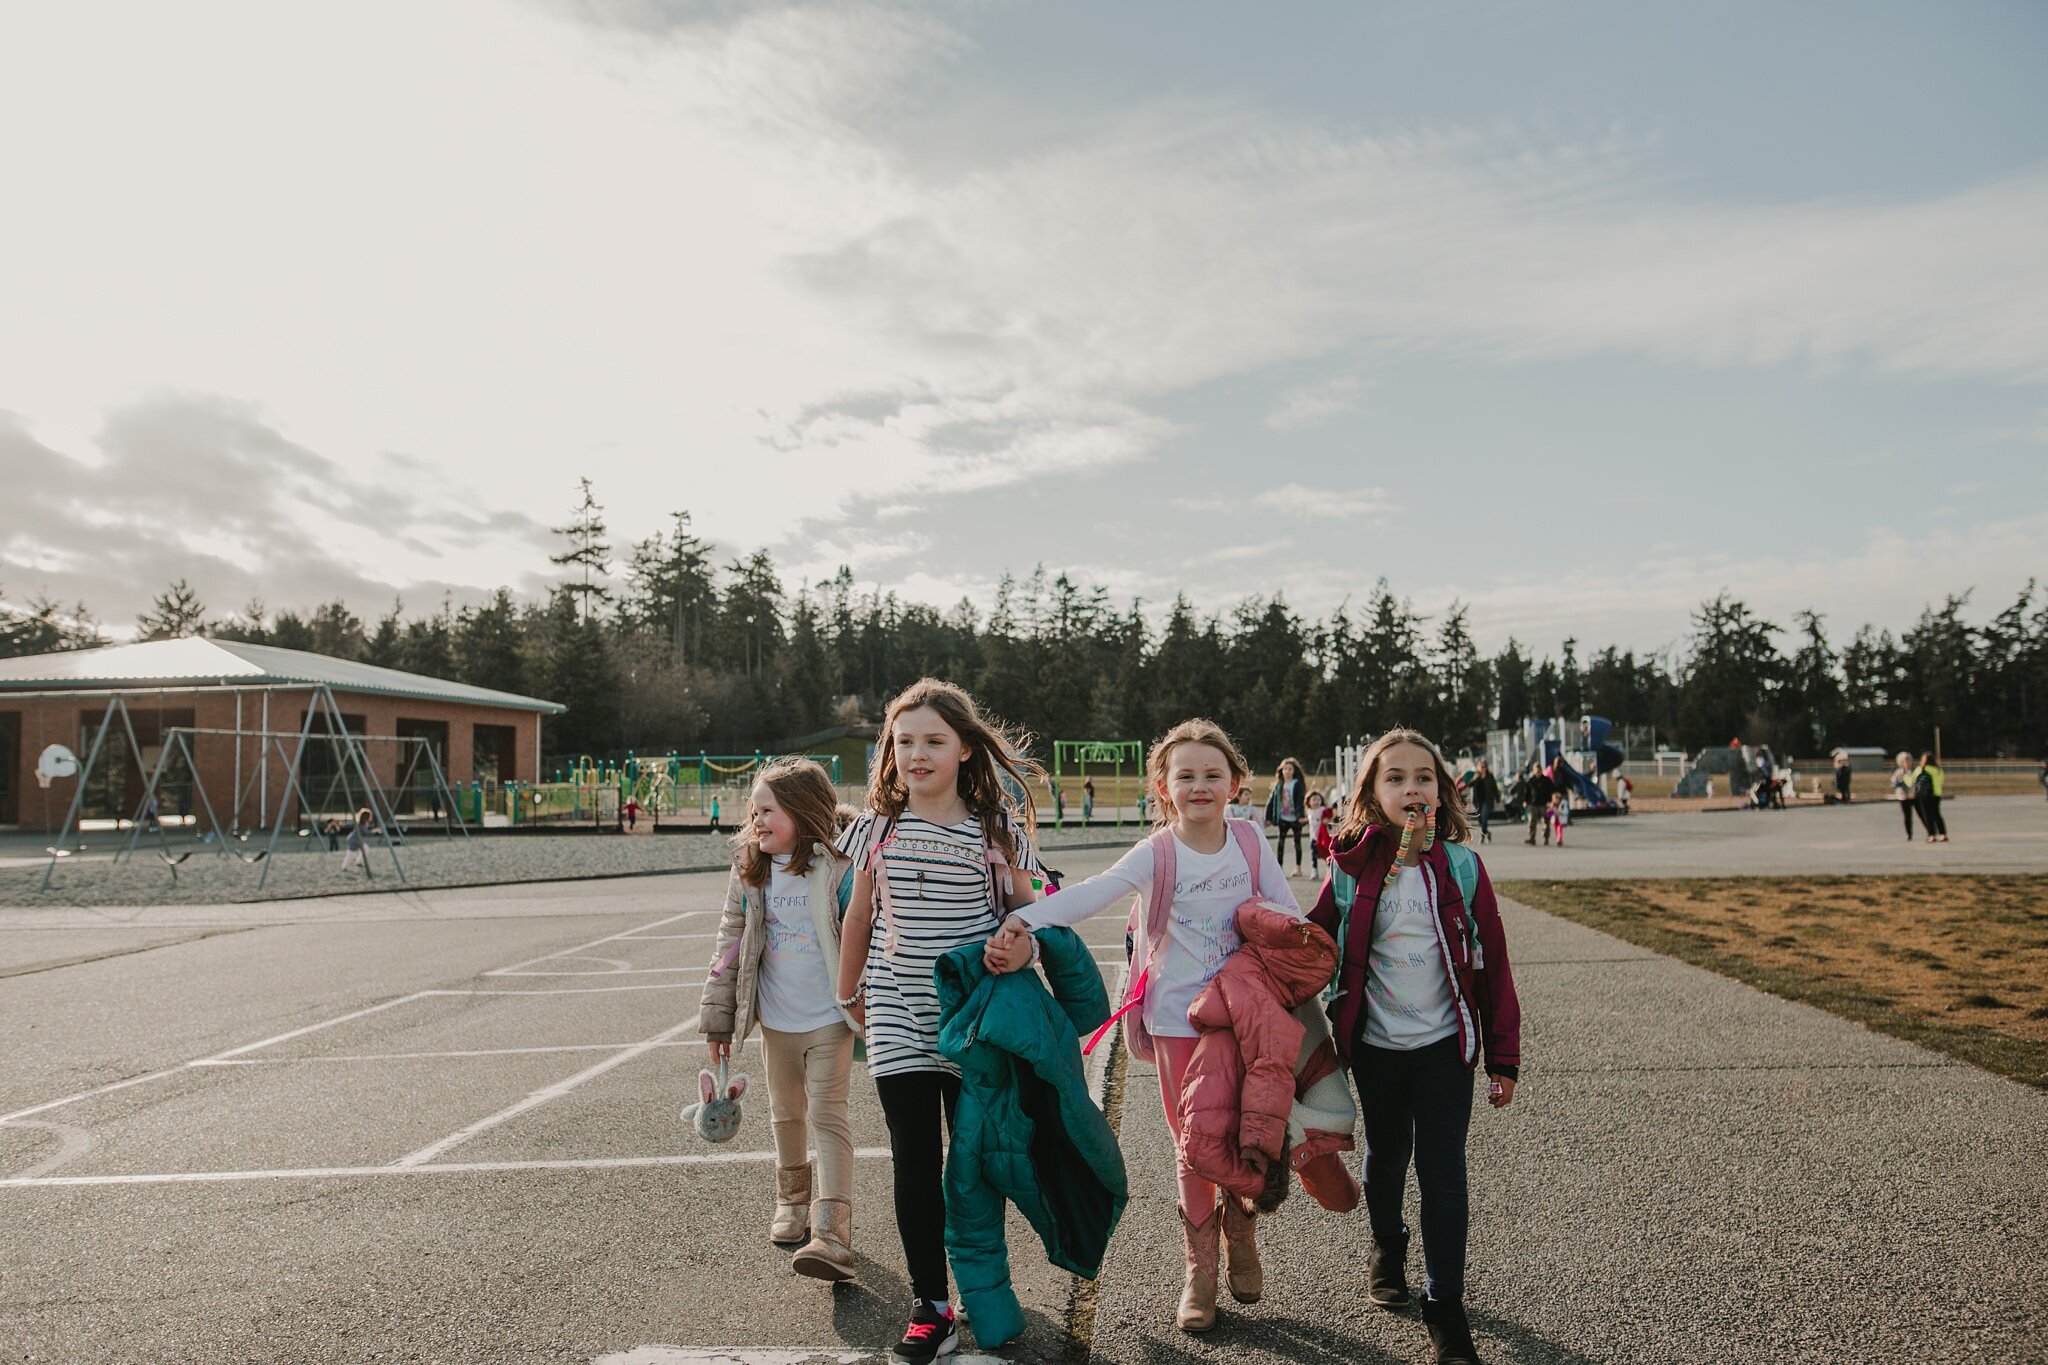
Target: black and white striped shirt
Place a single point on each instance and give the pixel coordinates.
(943, 897)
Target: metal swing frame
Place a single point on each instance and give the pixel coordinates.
(354, 756)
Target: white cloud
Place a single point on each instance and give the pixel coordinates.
(676, 257)
(1315, 404)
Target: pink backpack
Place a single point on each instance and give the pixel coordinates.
(879, 874)
(1153, 929)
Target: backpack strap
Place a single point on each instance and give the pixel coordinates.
(878, 872)
(1465, 871)
(1344, 887)
(1252, 845)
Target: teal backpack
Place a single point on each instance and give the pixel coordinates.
(1464, 871)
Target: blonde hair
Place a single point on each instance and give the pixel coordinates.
(992, 751)
(1190, 732)
(804, 790)
(1363, 810)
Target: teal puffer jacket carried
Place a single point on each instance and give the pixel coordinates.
(1027, 1130)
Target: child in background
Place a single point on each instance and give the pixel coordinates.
(776, 963)
(1241, 807)
(1424, 990)
(1321, 821)
(938, 854)
(358, 842)
(1189, 772)
(1560, 815)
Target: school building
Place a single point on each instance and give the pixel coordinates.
(232, 693)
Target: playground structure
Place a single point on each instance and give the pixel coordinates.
(351, 779)
(1578, 757)
(1113, 754)
(701, 788)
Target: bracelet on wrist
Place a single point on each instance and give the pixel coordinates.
(850, 1001)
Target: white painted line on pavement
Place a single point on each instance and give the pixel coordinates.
(616, 971)
(542, 1096)
(314, 1028)
(428, 1056)
(88, 1094)
(652, 938)
(771, 1355)
(580, 990)
(602, 1163)
(608, 938)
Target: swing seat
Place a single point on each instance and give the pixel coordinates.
(60, 852)
(170, 860)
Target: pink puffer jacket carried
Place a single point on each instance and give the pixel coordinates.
(1239, 1090)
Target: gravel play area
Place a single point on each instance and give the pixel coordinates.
(94, 877)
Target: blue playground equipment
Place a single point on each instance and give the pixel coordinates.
(1578, 756)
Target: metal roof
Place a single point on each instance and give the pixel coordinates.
(229, 663)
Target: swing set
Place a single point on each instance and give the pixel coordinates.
(1077, 754)
(351, 777)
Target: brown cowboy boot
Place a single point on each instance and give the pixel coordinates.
(1247, 1278)
(829, 1253)
(1198, 1298)
(792, 1194)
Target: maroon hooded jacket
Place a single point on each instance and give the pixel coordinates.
(1483, 988)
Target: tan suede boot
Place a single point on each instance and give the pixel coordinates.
(792, 1196)
(1198, 1297)
(1247, 1277)
(829, 1253)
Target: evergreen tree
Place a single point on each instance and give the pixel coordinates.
(336, 631)
(672, 591)
(1810, 702)
(43, 627)
(1513, 687)
(1731, 680)
(175, 613)
(382, 646)
(588, 555)
(488, 645)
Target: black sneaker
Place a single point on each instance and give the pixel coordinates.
(931, 1334)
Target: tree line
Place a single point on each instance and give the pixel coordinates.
(678, 650)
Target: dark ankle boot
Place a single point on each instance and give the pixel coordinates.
(1449, 1332)
(1386, 1274)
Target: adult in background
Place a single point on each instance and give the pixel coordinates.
(1927, 784)
(1902, 789)
(1842, 778)
(1287, 811)
(1537, 789)
(1484, 790)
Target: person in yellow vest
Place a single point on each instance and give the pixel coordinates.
(1927, 793)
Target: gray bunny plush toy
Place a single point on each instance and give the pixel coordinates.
(717, 1115)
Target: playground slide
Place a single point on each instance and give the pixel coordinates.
(1579, 785)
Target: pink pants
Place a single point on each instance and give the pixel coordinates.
(1197, 1196)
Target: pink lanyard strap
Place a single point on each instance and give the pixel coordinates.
(1132, 999)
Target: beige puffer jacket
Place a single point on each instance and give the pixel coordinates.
(725, 1013)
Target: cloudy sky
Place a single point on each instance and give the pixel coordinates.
(1576, 311)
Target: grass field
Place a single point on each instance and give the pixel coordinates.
(1955, 963)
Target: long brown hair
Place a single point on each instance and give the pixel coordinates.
(1364, 807)
(1195, 731)
(805, 792)
(992, 751)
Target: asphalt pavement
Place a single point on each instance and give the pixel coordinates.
(441, 1126)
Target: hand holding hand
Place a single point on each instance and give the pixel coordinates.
(1009, 948)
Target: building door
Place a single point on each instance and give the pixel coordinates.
(10, 767)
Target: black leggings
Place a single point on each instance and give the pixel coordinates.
(911, 1103)
(1280, 843)
(1930, 816)
(1906, 810)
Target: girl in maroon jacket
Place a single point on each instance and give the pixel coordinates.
(1424, 990)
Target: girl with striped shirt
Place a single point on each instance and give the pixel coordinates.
(940, 860)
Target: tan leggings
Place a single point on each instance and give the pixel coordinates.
(808, 1076)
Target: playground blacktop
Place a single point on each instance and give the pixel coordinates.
(440, 1126)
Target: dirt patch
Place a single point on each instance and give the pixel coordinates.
(1957, 963)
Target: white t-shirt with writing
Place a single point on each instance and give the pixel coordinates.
(793, 993)
(1201, 930)
(1408, 1000)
